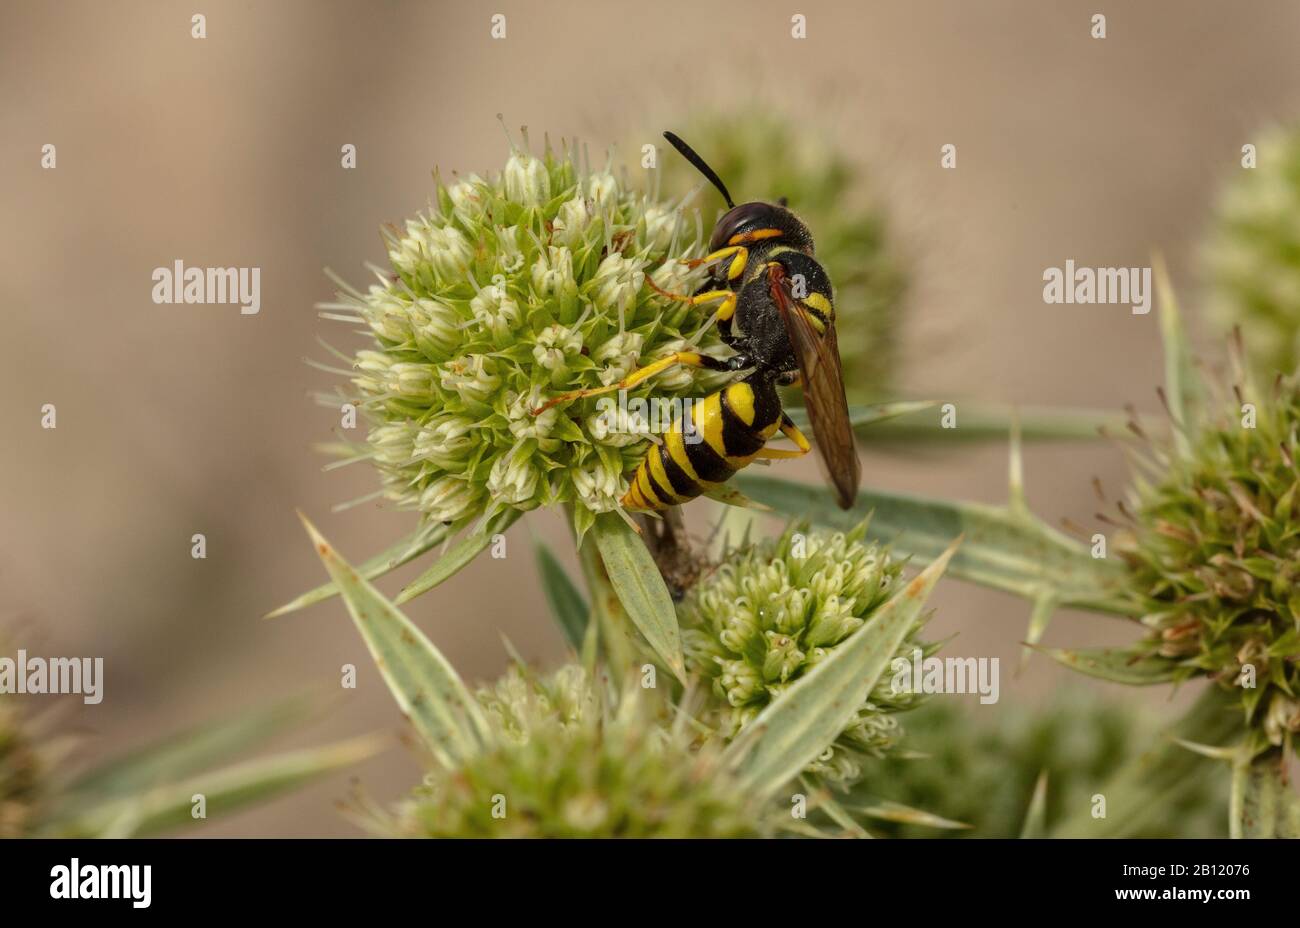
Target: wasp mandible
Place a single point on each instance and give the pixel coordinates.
(774, 309)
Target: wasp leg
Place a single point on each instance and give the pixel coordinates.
(791, 431)
(739, 255)
(686, 358)
(728, 298)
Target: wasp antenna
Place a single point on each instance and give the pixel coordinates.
(689, 154)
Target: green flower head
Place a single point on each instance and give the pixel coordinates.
(1253, 254)
(1215, 557)
(567, 759)
(508, 291)
(771, 611)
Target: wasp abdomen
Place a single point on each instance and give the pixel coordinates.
(727, 430)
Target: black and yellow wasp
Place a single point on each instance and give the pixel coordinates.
(774, 310)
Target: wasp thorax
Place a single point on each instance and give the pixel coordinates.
(758, 217)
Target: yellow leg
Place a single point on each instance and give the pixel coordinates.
(739, 255)
(728, 298)
(640, 375)
(788, 429)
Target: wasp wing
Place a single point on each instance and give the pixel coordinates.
(818, 355)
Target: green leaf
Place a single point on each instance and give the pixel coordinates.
(826, 803)
(457, 557)
(730, 496)
(423, 682)
(1044, 607)
(408, 549)
(799, 724)
(168, 806)
(567, 605)
(1180, 374)
(860, 417)
(888, 811)
(1263, 804)
(1036, 817)
(979, 422)
(1118, 665)
(640, 588)
(181, 755)
(1002, 550)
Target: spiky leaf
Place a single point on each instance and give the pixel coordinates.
(1002, 550)
(567, 605)
(425, 685)
(1118, 665)
(169, 805)
(640, 587)
(408, 549)
(457, 557)
(181, 755)
(978, 422)
(1036, 817)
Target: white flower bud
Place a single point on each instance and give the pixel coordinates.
(373, 367)
(444, 249)
(446, 441)
(660, 226)
(448, 499)
(621, 353)
(436, 327)
(553, 272)
(513, 478)
(602, 187)
(496, 311)
(523, 424)
(394, 443)
(387, 314)
(572, 221)
(411, 380)
(555, 345)
(526, 180)
(472, 377)
(510, 257)
(468, 199)
(617, 282)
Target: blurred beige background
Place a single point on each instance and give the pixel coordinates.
(225, 151)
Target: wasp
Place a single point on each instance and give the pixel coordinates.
(775, 311)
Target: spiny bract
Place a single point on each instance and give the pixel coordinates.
(772, 610)
(567, 759)
(1215, 558)
(508, 291)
